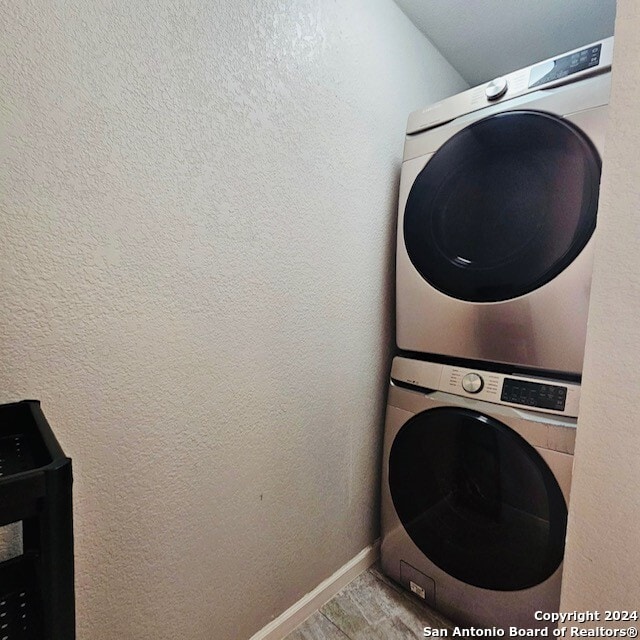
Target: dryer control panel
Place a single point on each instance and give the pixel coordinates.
(558, 68)
(574, 65)
(537, 394)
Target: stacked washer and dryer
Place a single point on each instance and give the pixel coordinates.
(498, 201)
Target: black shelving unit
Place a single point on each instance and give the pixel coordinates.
(37, 599)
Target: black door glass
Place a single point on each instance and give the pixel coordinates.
(503, 206)
(477, 499)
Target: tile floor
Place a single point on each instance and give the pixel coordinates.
(371, 607)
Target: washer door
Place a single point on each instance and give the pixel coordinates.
(477, 499)
(503, 206)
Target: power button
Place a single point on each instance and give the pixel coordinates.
(472, 383)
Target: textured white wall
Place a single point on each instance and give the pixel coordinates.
(603, 555)
(197, 249)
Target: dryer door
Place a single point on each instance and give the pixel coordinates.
(477, 499)
(503, 206)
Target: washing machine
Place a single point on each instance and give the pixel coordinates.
(475, 487)
(497, 208)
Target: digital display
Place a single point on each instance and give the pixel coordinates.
(556, 69)
(534, 394)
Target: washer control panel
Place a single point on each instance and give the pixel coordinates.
(519, 391)
(534, 394)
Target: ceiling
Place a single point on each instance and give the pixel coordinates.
(483, 39)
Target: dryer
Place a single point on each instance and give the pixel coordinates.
(475, 486)
(497, 208)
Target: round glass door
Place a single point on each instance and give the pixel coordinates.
(477, 499)
(503, 206)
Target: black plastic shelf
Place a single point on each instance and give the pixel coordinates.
(36, 589)
(20, 601)
(15, 455)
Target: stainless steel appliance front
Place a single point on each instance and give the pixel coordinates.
(474, 504)
(497, 205)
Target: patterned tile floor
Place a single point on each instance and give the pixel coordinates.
(371, 607)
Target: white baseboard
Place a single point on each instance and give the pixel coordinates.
(296, 614)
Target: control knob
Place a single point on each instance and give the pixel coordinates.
(472, 383)
(496, 89)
